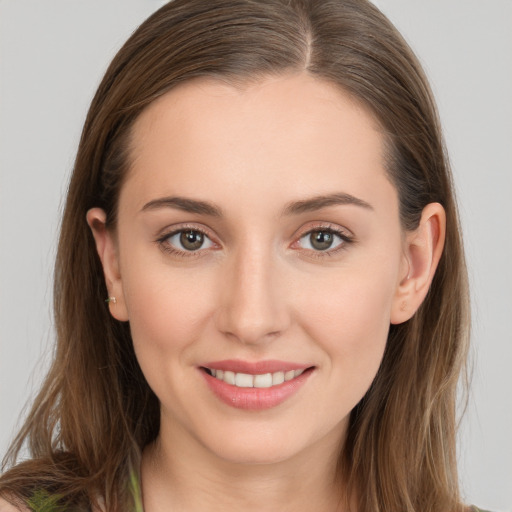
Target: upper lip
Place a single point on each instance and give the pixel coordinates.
(255, 367)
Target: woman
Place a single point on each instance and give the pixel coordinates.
(260, 292)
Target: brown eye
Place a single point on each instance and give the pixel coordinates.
(188, 240)
(191, 240)
(322, 240)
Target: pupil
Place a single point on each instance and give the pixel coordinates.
(191, 240)
(321, 240)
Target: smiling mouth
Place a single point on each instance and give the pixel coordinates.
(247, 380)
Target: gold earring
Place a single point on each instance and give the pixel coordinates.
(111, 299)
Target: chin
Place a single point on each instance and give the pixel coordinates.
(262, 444)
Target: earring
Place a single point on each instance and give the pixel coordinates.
(111, 299)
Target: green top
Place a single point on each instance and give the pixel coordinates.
(43, 501)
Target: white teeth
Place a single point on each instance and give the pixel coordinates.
(289, 375)
(263, 381)
(277, 378)
(246, 380)
(229, 377)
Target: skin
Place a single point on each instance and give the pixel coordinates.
(258, 289)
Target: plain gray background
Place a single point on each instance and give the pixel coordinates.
(52, 56)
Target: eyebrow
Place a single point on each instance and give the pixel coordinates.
(323, 201)
(184, 204)
(292, 208)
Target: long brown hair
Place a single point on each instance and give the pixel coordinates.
(95, 411)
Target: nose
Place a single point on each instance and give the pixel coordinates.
(253, 305)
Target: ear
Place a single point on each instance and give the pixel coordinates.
(107, 251)
(422, 252)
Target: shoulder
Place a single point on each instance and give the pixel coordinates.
(5, 506)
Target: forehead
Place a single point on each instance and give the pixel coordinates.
(290, 135)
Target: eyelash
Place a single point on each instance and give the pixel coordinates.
(162, 241)
(347, 239)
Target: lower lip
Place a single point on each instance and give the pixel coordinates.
(255, 399)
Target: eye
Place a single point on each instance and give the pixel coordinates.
(322, 240)
(188, 240)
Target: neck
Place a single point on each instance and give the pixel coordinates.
(185, 476)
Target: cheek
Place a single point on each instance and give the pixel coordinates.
(167, 310)
(350, 316)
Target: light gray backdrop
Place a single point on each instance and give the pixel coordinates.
(52, 56)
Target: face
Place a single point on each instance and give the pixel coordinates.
(257, 257)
